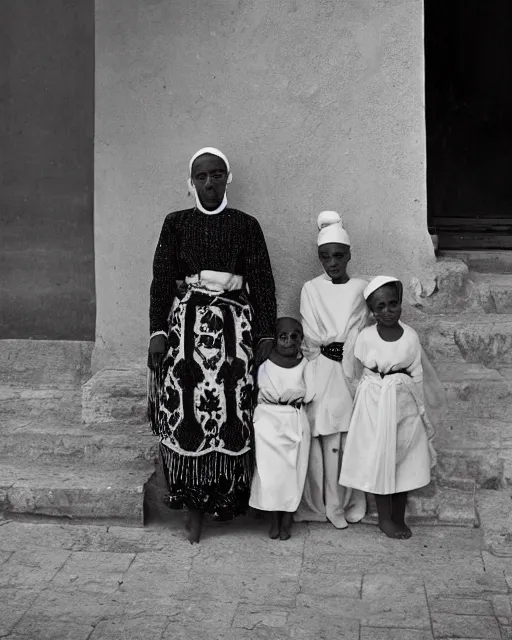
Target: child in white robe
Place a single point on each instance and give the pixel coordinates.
(388, 449)
(281, 430)
(333, 312)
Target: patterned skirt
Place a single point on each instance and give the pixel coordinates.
(201, 403)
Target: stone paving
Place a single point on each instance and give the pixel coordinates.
(90, 582)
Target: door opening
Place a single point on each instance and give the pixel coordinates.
(468, 59)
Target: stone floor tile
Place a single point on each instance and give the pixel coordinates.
(460, 606)
(114, 539)
(13, 604)
(431, 543)
(74, 606)
(498, 566)
(311, 625)
(389, 602)
(348, 584)
(459, 582)
(448, 625)
(278, 589)
(327, 560)
(5, 555)
(272, 558)
(46, 629)
(175, 631)
(332, 606)
(502, 608)
(197, 613)
(31, 569)
(378, 633)
(130, 628)
(93, 571)
(506, 632)
(249, 616)
(159, 573)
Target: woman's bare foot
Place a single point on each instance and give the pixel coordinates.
(275, 525)
(286, 526)
(195, 526)
(389, 528)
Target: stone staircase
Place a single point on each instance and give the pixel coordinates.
(79, 447)
(466, 328)
(51, 463)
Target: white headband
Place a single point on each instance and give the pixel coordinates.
(213, 152)
(377, 283)
(331, 229)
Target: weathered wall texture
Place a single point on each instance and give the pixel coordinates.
(46, 169)
(319, 105)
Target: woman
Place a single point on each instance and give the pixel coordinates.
(201, 386)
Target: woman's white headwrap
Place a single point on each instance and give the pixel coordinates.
(213, 152)
(331, 229)
(377, 283)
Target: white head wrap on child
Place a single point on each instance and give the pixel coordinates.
(213, 152)
(377, 283)
(331, 229)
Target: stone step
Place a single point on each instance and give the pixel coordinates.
(473, 390)
(482, 338)
(115, 394)
(495, 511)
(494, 291)
(111, 444)
(453, 290)
(52, 363)
(483, 261)
(443, 506)
(74, 492)
(476, 448)
(63, 404)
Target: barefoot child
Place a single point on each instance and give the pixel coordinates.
(388, 449)
(333, 312)
(281, 430)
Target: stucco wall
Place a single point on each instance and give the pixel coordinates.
(319, 105)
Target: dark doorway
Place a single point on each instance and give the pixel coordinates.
(468, 49)
(46, 169)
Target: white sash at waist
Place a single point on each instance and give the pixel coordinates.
(216, 281)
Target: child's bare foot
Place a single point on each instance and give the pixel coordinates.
(195, 526)
(286, 526)
(389, 528)
(405, 532)
(275, 525)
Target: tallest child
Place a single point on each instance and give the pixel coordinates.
(333, 312)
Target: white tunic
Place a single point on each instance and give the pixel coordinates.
(331, 313)
(282, 437)
(387, 448)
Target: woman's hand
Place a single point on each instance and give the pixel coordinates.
(263, 351)
(157, 350)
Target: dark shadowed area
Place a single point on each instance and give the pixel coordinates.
(46, 163)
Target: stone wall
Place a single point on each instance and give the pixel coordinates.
(319, 105)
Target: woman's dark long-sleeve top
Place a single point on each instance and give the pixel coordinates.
(230, 241)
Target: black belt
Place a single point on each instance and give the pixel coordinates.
(297, 404)
(333, 351)
(391, 373)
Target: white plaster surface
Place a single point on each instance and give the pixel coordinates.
(319, 105)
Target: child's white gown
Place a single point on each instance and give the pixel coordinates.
(282, 437)
(388, 447)
(330, 313)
